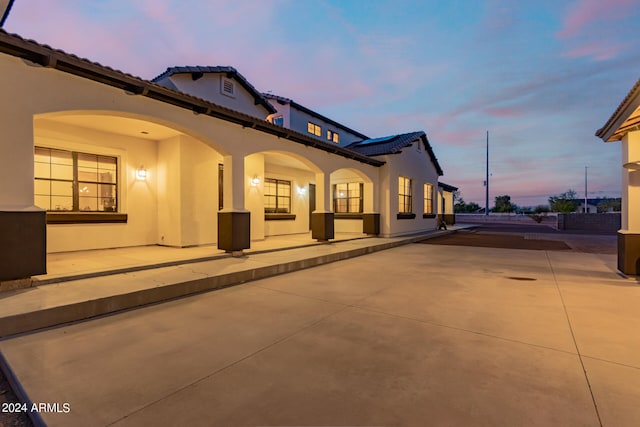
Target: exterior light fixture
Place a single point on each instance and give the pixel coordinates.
(302, 191)
(141, 173)
(632, 166)
(255, 181)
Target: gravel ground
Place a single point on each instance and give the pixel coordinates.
(8, 419)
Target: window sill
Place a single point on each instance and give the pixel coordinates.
(279, 217)
(406, 216)
(347, 216)
(428, 215)
(85, 217)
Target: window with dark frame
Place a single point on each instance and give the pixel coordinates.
(333, 136)
(428, 199)
(314, 129)
(404, 195)
(277, 196)
(347, 197)
(70, 181)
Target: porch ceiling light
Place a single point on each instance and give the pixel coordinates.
(141, 173)
(255, 181)
(632, 166)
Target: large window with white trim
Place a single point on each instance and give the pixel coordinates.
(75, 182)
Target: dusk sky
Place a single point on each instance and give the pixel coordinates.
(541, 76)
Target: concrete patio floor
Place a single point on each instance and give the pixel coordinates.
(413, 335)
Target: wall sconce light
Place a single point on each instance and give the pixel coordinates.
(255, 181)
(302, 191)
(632, 166)
(141, 174)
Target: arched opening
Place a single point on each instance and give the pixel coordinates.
(353, 200)
(280, 193)
(113, 179)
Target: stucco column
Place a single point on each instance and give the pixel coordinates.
(322, 218)
(629, 234)
(370, 218)
(234, 221)
(23, 231)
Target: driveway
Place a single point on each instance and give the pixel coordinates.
(415, 335)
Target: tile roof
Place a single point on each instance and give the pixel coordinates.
(394, 144)
(283, 100)
(14, 45)
(610, 131)
(447, 187)
(230, 73)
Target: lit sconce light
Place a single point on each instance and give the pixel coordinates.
(302, 191)
(141, 174)
(255, 181)
(632, 166)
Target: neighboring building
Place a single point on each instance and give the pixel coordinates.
(595, 205)
(624, 126)
(292, 115)
(446, 202)
(94, 158)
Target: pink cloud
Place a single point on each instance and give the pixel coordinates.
(504, 111)
(583, 14)
(598, 50)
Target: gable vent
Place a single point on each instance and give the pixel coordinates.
(228, 87)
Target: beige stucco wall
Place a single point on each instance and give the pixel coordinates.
(299, 179)
(414, 164)
(137, 198)
(181, 169)
(630, 184)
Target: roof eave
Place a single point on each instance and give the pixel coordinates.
(46, 56)
(610, 131)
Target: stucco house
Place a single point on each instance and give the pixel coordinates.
(624, 126)
(92, 158)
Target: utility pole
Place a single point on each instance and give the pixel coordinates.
(586, 209)
(486, 181)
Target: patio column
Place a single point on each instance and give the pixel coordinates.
(370, 218)
(322, 218)
(629, 234)
(234, 221)
(23, 230)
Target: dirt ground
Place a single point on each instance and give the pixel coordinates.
(9, 419)
(532, 237)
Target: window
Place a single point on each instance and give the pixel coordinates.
(277, 196)
(404, 195)
(314, 129)
(347, 198)
(428, 199)
(72, 181)
(333, 136)
(278, 121)
(227, 87)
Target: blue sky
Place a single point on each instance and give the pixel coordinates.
(541, 76)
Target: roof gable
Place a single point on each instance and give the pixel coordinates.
(394, 144)
(198, 72)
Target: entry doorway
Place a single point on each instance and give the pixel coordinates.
(312, 201)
